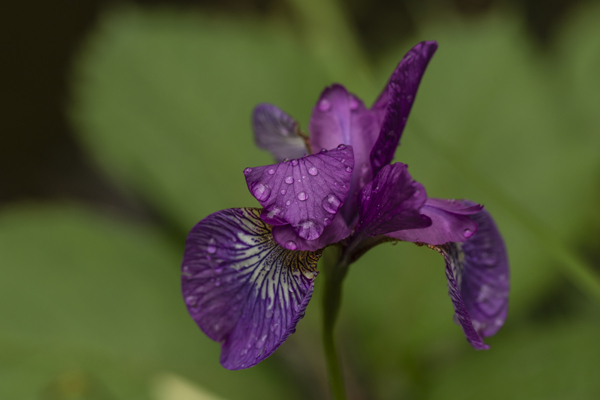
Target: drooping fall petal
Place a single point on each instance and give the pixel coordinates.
(243, 289)
(478, 280)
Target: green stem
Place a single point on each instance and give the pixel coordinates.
(335, 269)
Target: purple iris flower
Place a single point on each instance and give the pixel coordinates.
(248, 273)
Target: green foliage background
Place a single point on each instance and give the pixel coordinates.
(161, 98)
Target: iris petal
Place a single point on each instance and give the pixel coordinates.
(450, 223)
(287, 237)
(393, 105)
(478, 280)
(242, 288)
(307, 192)
(391, 202)
(340, 117)
(277, 132)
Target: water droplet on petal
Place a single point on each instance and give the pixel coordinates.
(308, 228)
(290, 245)
(323, 150)
(287, 203)
(211, 248)
(302, 196)
(274, 212)
(289, 180)
(271, 171)
(324, 105)
(341, 147)
(247, 171)
(190, 300)
(282, 191)
(294, 162)
(467, 233)
(331, 203)
(261, 192)
(313, 171)
(348, 169)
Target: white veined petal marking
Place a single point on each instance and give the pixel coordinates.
(250, 292)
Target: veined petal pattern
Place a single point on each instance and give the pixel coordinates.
(242, 288)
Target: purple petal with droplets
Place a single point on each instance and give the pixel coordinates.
(393, 105)
(243, 289)
(271, 218)
(277, 132)
(450, 223)
(479, 285)
(391, 202)
(340, 117)
(287, 237)
(306, 193)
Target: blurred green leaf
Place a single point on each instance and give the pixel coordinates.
(486, 97)
(81, 294)
(164, 99)
(488, 102)
(544, 362)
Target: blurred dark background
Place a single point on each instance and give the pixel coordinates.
(39, 158)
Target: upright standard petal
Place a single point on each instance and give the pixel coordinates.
(479, 284)
(287, 237)
(277, 132)
(392, 202)
(450, 223)
(393, 105)
(307, 192)
(243, 289)
(340, 117)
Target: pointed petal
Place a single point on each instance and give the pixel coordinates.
(307, 192)
(392, 202)
(287, 237)
(277, 132)
(394, 104)
(341, 117)
(450, 223)
(243, 289)
(478, 285)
